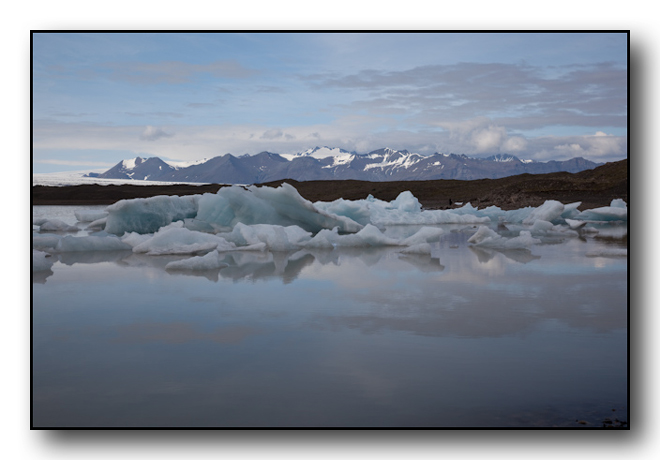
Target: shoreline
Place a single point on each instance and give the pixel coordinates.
(594, 188)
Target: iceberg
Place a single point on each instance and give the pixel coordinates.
(273, 237)
(404, 210)
(175, 239)
(56, 225)
(281, 221)
(488, 238)
(369, 236)
(617, 210)
(281, 206)
(548, 211)
(147, 215)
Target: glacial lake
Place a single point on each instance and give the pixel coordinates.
(362, 337)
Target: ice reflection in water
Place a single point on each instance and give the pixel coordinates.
(355, 337)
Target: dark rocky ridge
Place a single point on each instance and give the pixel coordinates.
(594, 188)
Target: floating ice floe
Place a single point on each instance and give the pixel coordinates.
(489, 238)
(617, 210)
(273, 237)
(41, 261)
(90, 215)
(56, 225)
(45, 241)
(284, 207)
(404, 210)
(174, 239)
(281, 221)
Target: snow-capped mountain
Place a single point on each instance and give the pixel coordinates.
(319, 153)
(324, 163)
(137, 168)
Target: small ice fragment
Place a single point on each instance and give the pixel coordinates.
(41, 261)
(56, 225)
(575, 224)
(89, 215)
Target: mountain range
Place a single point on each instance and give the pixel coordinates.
(324, 163)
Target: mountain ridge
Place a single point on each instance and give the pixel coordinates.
(324, 163)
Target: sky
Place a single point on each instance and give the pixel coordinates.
(99, 98)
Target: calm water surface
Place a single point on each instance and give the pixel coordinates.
(365, 337)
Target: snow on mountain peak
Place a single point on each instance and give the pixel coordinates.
(185, 164)
(318, 153)
(132, 163)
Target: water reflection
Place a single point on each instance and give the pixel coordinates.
(464, 336)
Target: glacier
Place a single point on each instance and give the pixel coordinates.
(200, 228)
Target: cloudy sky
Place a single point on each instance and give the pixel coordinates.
(100, 98)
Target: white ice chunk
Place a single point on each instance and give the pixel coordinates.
(406, 202)
(489, 238)
(549, 211)
(211, 261)
(98, 224)
(618, 203)
(275, 237)
(571, 210)
(133, 238)
(368, 236)
(147, 215)
(545, 228)
(45, 242)
(56, 225)
(605, 214)
(423, 235)
(404, 210)
(178, 240)
(90, 215)
(41, 261)
(575, 224)
(90, 243)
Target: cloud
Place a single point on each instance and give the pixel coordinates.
(99, 164)
(151, 134)
(355, 133)
(599, 147)
(518, 96)
(479, 135)
(169, 72)
(272, 134)
(199, 105)
(155, 114)
(514, 144)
